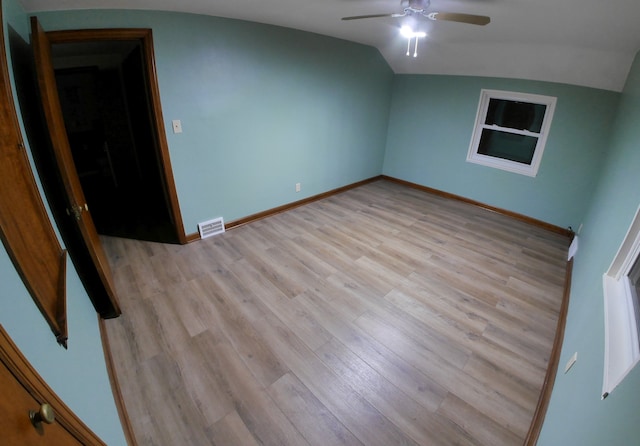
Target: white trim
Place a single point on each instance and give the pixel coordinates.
(573, 248)
(512, 166)
(629, 250)
(621, 351)
(621, 343)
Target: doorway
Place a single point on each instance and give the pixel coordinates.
(48, 139)
(104, 97)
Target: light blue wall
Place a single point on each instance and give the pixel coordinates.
(430, 127)
(262, 108)
(78, 375)
(576, 415)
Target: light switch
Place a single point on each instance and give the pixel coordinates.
(177, 126)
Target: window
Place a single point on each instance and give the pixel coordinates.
(621, 285)
(511, 130)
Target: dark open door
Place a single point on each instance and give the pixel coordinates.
(76, 206)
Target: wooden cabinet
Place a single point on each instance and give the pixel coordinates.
(15, 424)
(23, 390)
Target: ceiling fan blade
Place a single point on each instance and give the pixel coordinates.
(458, 17)
(371, 16)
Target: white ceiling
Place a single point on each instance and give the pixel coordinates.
(582, 42)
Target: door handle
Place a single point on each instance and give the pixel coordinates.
(77, 210)
(45, 414)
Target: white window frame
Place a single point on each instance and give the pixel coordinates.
(499, 163)
(621, 343)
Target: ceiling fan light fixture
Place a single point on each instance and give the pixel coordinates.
(410, 34)
(418, 8)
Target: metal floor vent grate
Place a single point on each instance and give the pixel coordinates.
(211, 227)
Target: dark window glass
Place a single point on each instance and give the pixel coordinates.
(518, 148)
(515, 115)
(634, 279)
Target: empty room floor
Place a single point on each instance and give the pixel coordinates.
(383, 315)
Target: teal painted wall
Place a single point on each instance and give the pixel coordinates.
(262, 108)
(576, 415)
(78, 375)
(430, 127)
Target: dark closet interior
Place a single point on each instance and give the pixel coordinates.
(104, 98)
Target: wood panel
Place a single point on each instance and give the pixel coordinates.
(22, 390)
(25, 228)
(380, 315)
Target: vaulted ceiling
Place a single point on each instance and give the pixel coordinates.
(582, 42)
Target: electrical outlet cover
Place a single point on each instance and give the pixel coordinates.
(571, 362)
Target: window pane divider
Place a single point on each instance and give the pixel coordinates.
(511, 130)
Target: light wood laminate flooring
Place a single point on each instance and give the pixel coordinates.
(380, 316)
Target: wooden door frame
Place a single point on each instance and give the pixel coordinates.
(145, 37)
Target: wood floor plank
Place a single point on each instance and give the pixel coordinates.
(466, 387)
(141, 330)
(420, 423)
(482, 428)
(441, 307)
(383, 315)
(231, 430)
(204, 382)
(316, 423)
(387, 363)
(530, 314)
(301, 322)
(239, 331)
(168, 330)
(502, 381)
(357, 415)
(455, 345)
(521, 346)
(307, 258)
(440, 335)
(427, 297)
(256, 408)
(165, 405)
(324, 250)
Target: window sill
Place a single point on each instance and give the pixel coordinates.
(502, 164)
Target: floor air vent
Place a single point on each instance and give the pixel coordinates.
(211, 227)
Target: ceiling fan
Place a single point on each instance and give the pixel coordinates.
(419, 8)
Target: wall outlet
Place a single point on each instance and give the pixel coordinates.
(177, 126)
(570, 362)
(298, 187)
